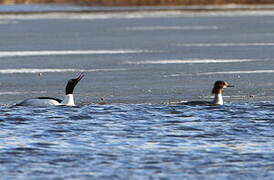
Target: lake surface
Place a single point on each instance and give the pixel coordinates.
(138, 62)
(137, 57)
(141, 141)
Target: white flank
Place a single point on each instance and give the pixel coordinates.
(238, 72)
(31, 70)
(66, 52)
(192, 61)
(224, 44)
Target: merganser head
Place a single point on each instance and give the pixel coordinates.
(72, 83)
(219, 86)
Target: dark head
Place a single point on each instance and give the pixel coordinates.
(72, 83)
(219, 86)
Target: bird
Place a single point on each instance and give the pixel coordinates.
(50, 101)
(217, 90)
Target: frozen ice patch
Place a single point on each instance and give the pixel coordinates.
(37, 70)
(192, 61)
(224, 44)
(67, 52)
(238, 72)
(18, 92)
(168, 28)
(138, 15)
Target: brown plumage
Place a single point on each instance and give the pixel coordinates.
(217, 91)
(219, 86)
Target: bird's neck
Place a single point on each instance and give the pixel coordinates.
(218, 99)
(68, 100)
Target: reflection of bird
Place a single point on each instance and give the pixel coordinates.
(217, 91)
(48, 101)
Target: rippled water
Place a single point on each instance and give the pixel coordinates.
(138, 141)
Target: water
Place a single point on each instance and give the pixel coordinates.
(137, 57)
(141, 141)
(138, 62)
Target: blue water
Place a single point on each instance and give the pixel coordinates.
(138, 141)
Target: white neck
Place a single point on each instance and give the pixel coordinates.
(218, 99)
(68, 100)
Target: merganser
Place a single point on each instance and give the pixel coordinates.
(217, 91)
(49, 101)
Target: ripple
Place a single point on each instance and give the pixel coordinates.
(139, 141)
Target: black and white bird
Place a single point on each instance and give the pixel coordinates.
(217, 90)
(50, 101)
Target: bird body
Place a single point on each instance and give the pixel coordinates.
(49, 101)
(217, 91)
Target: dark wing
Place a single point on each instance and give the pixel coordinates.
(56, 99)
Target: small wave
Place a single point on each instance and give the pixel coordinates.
(67, 52)
(150, 28)
(192, 61)
(33, 70)
(224, 44)
(238, 72)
